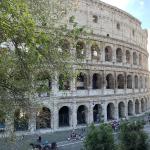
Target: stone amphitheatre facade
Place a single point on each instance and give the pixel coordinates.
(114, 80)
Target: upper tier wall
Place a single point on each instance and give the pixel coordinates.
(107, 20)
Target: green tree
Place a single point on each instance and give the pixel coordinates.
(99, 138)
(32, 46)
(132, 137)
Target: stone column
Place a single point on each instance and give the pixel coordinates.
(102, 52)
(105, 111)
(9, 124)
(55, 85)
(125, 82)
(133, 83)
(115, 82)
(126, 108)
(90, 77)
(103, 81)
(90, 113)
(55, 117)
(140, 110)
(114, 54)
(88, 53)
(32, 121)
(74, 115)
(134, 107)
(123, 55)
(116, 111)
(73, 83)
(131, 58)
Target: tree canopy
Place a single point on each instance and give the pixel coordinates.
(34, 43)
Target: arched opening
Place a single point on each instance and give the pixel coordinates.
(82, 115)
(136, 81)
(96, 81)
(43, 119)
(81, 81)
(130, 108)
(121, 110)
(110, 111)
(44, 83)
(142, 105)
(120, 80)
(108, 54)
(134, 58)
(110, 81)
(80, 50)
(2, 120)
(21, 120)
(137, 106)
(64, 117)
(140, 59)
(128, 57)
(95, 51)
(119, 55)
(65, 45)
(141, 82)
(129, 82)
(64, 83)
(97, 113)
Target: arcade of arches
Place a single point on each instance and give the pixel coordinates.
(67, 116)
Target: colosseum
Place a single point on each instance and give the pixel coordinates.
(113, 82)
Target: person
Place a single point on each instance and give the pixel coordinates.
(39, 140)
(54, 146)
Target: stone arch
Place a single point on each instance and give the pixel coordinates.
(81, 81)
(64, 116)
(43, 118)
(137, 107)
(110, 111)
(134, 58)
(119, 55)
(96, 81)
(97, 113)
(130, 108)
(110, 81)
(82, 115)
(120, 81)
(95, 51)
(21, 120)
(64, 82)
(128, 57)
(142, 105)
(108, 54)
(80, 49)
(121, 110)
(136, 81)
(129, 82)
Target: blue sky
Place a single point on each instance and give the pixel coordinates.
(139, 9)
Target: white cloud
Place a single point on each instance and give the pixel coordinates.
(141, 3)
(123, 4)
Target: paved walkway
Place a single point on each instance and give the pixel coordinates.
(60, 137)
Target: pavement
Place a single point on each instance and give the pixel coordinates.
(60, 137)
